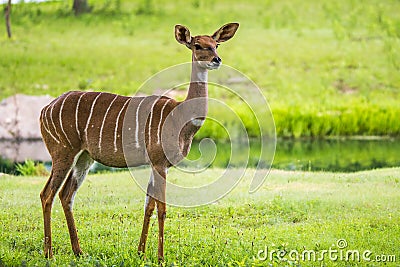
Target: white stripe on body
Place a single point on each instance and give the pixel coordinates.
(151, 118)
(76, 115)
(90, 115)
(116, 125)
(137, 124)
(104, 120)
(52, 121)
(46, 124)
(60, 118)
(159, 123)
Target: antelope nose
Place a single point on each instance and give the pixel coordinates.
(217, 60)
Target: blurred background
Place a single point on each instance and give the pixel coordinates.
(329, 70)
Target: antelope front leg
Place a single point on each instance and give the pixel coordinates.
(155, 195)
(159, 176)
(148, 211)
(161, 210)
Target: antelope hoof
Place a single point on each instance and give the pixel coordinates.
(141, 254)
(48, 253)
(78, 253)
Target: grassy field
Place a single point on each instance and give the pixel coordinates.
(293, 211)
(327, 68)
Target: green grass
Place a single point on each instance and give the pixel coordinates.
(292, 211)
(327, 68)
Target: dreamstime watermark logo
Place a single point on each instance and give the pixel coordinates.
(337, 252)
(235, 106)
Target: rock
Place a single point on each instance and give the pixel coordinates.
(21, 151)
(19, 116)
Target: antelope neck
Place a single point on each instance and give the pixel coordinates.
(198, 82)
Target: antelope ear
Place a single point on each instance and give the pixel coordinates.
(182, 35)
(225, 33)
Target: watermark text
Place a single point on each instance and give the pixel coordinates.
(337, 252)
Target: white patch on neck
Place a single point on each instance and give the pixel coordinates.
(197, 122)
(202, 76)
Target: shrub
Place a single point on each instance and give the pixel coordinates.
(30, 168)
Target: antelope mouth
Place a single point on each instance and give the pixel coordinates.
(213, 66)
(209, 65)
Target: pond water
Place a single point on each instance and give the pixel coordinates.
(337, 155)
(322, 155)
(310, 155)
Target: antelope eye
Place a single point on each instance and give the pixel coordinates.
(216, 46)
(198, 47)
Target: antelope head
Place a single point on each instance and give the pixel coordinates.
(204, 47)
